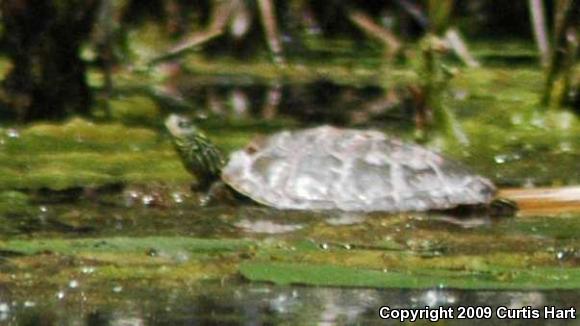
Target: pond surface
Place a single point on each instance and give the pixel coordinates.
(98, 225)
(134, 263)
(257, 304)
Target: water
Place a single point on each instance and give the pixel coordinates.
(102, 229)
(258, 304)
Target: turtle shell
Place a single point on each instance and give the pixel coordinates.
(351, 170)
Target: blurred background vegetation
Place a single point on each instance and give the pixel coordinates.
(77, 57)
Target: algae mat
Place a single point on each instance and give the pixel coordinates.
(169, 261)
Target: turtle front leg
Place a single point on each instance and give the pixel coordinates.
(217, 192)
(203, 183)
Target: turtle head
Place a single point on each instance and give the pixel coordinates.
(199, 156)
(180, 126)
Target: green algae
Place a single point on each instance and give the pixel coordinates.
(171, 260)
(124, 244)
(135, 110)
(328, 275)
(84, 154)
(301, 72)
(165, 260)
(13, 200)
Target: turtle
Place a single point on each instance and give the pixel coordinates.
(331, 168)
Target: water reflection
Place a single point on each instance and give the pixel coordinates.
(259, 304)
(346, 218)
(268, 227)
(84, 218)
(320, 101)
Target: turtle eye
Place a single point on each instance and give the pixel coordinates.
(183, 123)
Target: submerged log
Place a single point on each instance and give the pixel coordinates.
(544, 200)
